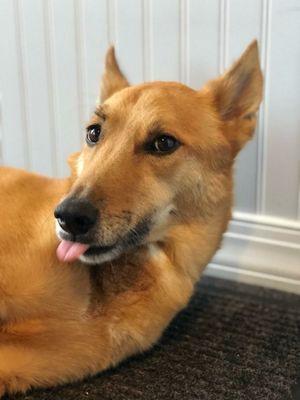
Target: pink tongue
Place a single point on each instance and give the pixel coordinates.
(70, 251)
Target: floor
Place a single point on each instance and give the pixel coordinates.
(233, 342)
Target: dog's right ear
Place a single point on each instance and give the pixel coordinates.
(112, 80)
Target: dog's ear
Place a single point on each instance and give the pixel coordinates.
(112, 80)
(237, 95)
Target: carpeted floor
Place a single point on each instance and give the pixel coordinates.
(234, 342)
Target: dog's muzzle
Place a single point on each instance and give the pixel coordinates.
(78, 221)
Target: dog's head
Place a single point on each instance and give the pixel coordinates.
(155, 154)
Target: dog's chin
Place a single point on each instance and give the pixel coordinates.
(98, 255)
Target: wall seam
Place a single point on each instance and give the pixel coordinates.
(223, 34)
(81, 73)
(22, 80)
(183, 24)
(263, 115)
(50, 85)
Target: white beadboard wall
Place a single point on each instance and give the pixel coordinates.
(51, 62)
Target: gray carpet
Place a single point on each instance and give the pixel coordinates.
(233, 342)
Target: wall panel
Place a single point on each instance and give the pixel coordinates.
(129, 38)
(282, 158)
(64, 79)
(52, 63)
(165, 40)
(14, 144)
(40, 130)
(242, 27)
(52, 55)
(203, 41)
(94, 43)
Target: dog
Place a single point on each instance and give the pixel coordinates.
(141, 215)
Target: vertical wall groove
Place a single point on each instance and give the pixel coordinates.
(263, 117)
(22, 79)
(111, 19)
(1, 131)
(298, 211)
(223, 34)
(146, 40)
(187, 43)
(183, 61)
(53, 82)
(81, 61)
(50, 87)
(151, 51)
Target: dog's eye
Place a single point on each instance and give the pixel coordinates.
(164, 144)
(93, 134)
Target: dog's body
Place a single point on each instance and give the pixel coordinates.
(161, 220)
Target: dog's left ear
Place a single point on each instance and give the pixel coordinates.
(237, 95)
(112, 80)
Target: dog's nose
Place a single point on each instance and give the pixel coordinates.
(76, 216)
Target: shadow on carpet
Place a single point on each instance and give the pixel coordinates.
(233, 342)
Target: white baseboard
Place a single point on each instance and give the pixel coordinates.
(253, 278)
(260, 251)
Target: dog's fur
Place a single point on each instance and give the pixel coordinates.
(63, 321)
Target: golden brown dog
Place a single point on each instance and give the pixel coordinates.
(142, 214)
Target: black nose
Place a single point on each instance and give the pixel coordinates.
(76, 216)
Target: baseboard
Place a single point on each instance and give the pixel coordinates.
(260, 251)
(267, 220)
(253, 278)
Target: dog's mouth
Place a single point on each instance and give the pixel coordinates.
(68, 251)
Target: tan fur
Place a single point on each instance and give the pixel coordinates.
(60, 322)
